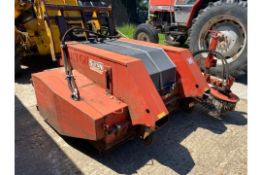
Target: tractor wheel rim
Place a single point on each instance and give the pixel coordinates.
(143, 37)
(233, 37)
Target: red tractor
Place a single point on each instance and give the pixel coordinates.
(192, 21)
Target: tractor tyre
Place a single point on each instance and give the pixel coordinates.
(146, 32)
(230, 19)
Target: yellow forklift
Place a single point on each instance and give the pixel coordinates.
(40, 24)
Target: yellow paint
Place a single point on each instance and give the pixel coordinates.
(38, 36)
(44, 34)
(95, 21)
(161, 115)
(17, 13)
(206, 89)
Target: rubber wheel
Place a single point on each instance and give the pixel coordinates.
(230, 19)
(146, 32)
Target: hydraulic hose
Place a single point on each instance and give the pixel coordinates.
(79, 29)
(68, 69)
(225, 67)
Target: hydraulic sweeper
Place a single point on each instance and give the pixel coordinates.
(110, 88)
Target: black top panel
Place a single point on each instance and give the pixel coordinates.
(158, 64)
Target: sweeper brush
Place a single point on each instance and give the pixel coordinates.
(114, 88)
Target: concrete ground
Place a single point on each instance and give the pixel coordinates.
(189, 144)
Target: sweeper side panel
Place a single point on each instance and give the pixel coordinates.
(116, 95)
(86, 118)
(123, 76)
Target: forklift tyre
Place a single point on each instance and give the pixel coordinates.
(146, 32)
